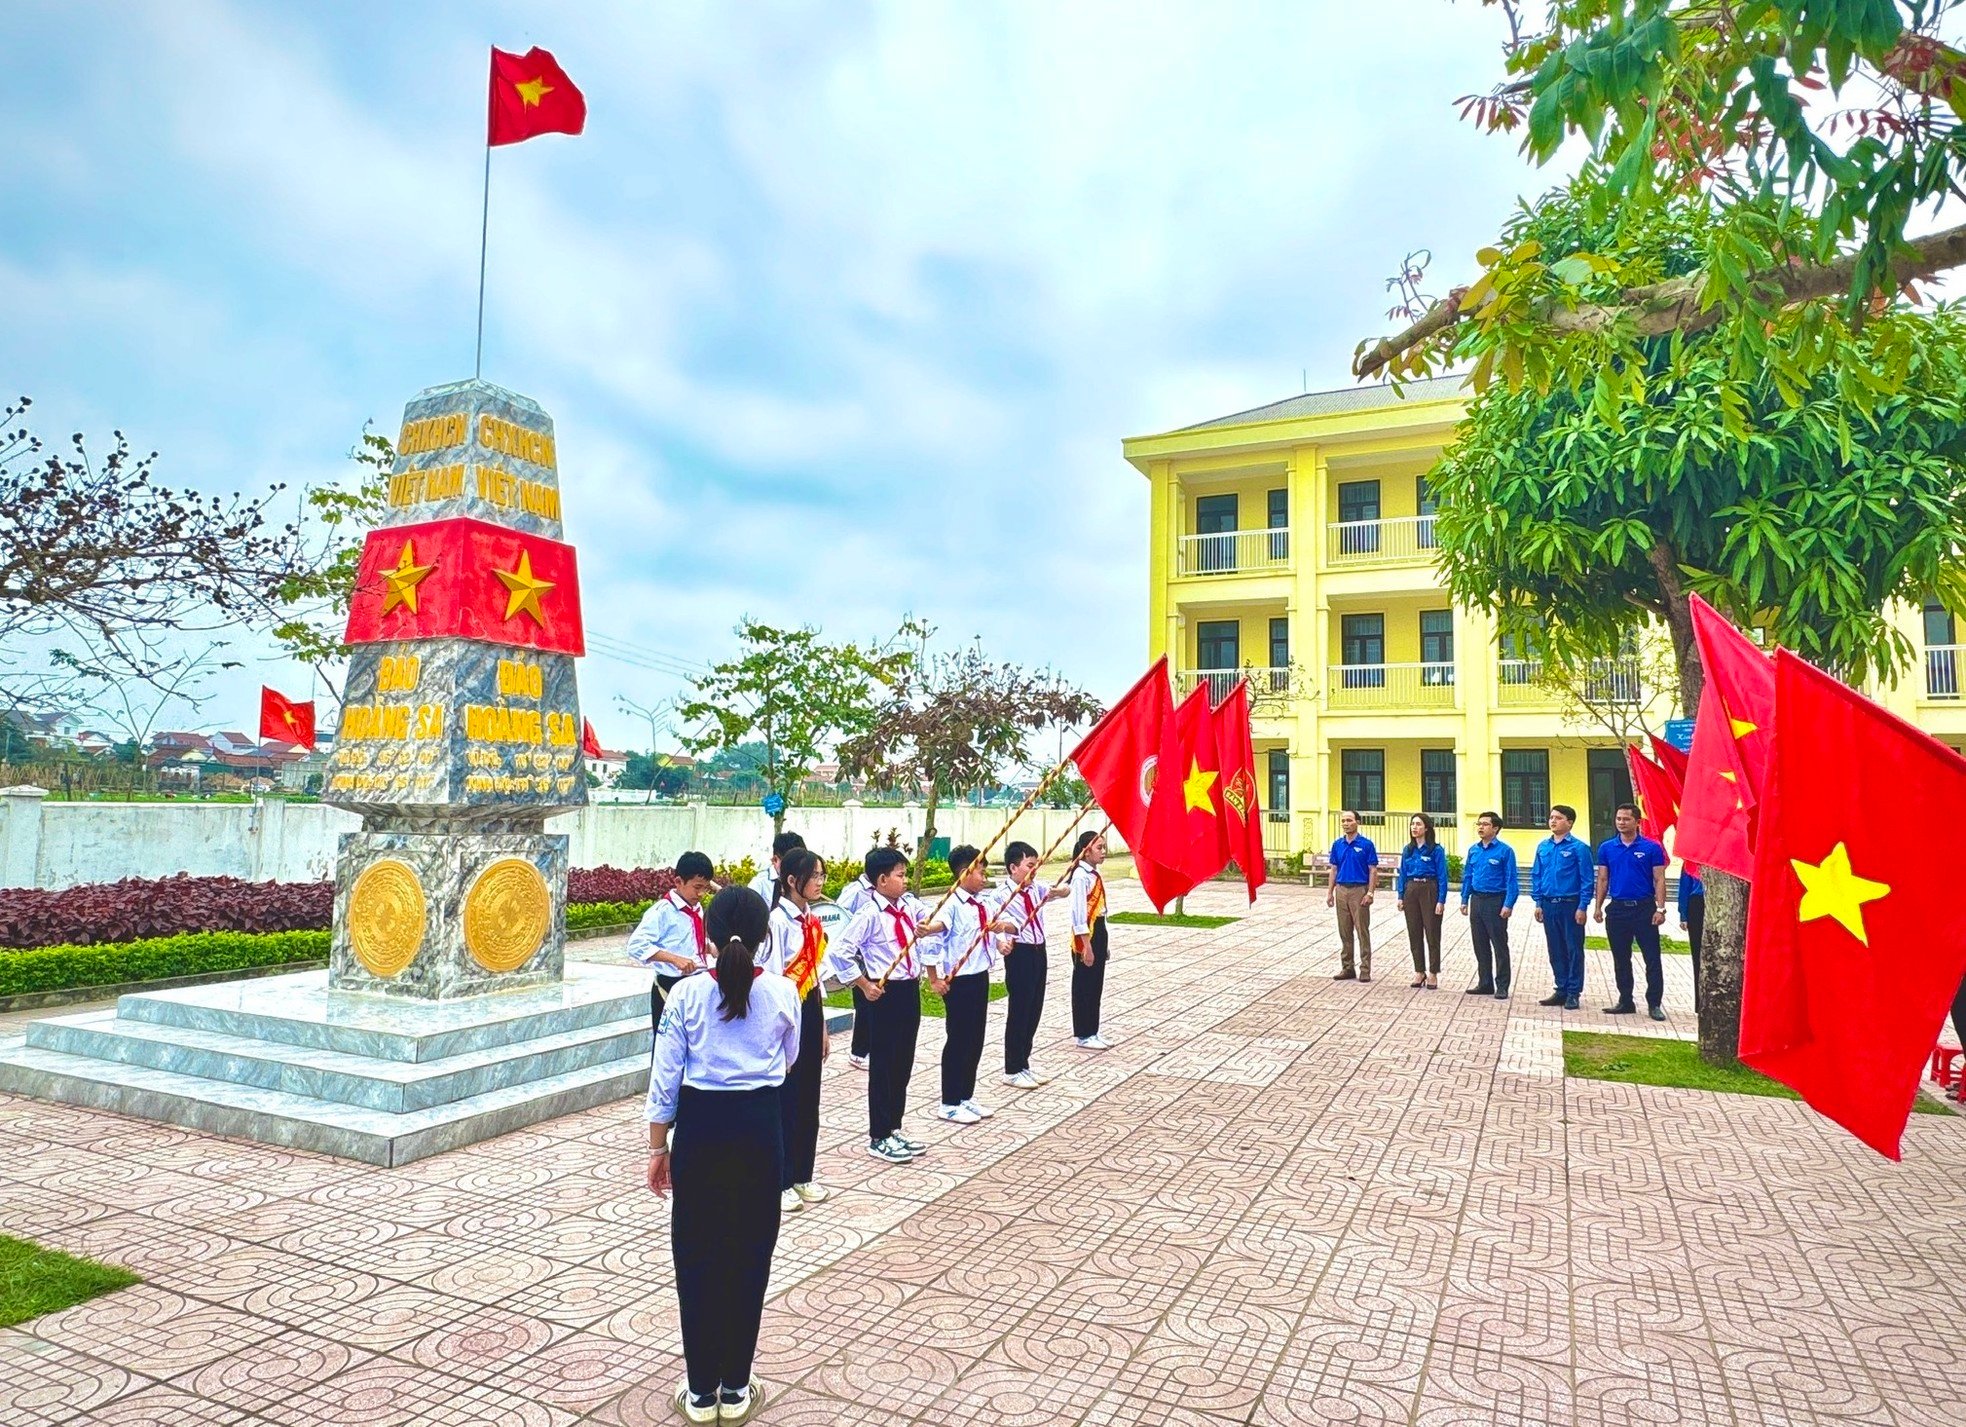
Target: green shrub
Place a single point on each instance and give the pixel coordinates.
(1454, 867)
(604, 914)
(57, 968)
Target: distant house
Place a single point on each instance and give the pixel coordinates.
(95, 743)
(609, 766)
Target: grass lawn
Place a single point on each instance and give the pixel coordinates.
(842, 999)
(1149, 919)
(1655, 1060)
(1670, 945)
(34, 1280)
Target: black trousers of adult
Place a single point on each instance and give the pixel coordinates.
(964, 1010)
(724, 1171)
(1089, 985)
(893, 1023)
(798, 1102)
(863, 1035)
(1491, 940)
(1624, 923)
(1024, 975)
(1696, 925)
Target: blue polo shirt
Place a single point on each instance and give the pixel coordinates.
(1355, 862)
(1628, 867)
(1561, 869)
(1490, 869)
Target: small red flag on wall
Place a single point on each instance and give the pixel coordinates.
(531, 95)
(282, 719)
(590, 741)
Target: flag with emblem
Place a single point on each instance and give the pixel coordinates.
(531, 95)
(1186, 838)
(1853, 956)
(285, 721)
(1732, 737)
(1119, 758)
(1243, 811)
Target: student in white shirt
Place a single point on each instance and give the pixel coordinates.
(670, 936)
(960, 962)
(796, 950)
(722, 1050)
(1088, 939)
(765, 884)
(855, 895)
(877, 953)
(1023, 900)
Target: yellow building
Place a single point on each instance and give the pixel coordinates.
(1294, 544)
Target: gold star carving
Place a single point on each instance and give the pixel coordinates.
(1831, 889)
(404, 579)
(531, 91)
(1194, 787)
(524, 589)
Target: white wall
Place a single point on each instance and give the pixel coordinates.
(62, 844)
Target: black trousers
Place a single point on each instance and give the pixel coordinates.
(893, 1024)
(1696, 925)
(724, 1170)
(963, 1010)
(1491, 940)
(798, 1102)
(1023, 974)
(1625, 922)
(1959, 1013)
(1089, 985)
(658, 998)
(862, 1033)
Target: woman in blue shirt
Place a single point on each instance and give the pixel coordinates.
(1421, 886)
(721, 1052)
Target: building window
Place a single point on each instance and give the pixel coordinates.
(1362, 779)
(1216, 518)
(1358, 513)
(1940, 632)
(1217, 644)
(1279, 501)
(1440, 792)
(1362, 648)
(1423, 502)
(1522, 659)
(1437, 646)
(1279, 780)
(1525, 787)
(1279, 654)
(1941, 653)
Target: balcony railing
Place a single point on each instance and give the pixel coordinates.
(1520, 684)
(1389, 831)
(1234, 552)
(1390, 686)
(1263, 683)
(1276, 833)
(1380, 542)
(1942, 671)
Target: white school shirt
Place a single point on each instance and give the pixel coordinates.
(1084, 878)
(784, 939)
(872, 943)
(854, 895)
(1024, 907)
(964, 918)
(667, 926)
(697, 1047)
(765, 883)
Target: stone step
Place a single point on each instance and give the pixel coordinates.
(366, 1082)
(300, 1122)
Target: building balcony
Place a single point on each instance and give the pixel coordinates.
(1234, 552)
(1942, 671)
(1390, 686)
(1522, 683)
(1263, 683)
(1401, 540)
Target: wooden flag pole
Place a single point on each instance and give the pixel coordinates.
(1043, 858)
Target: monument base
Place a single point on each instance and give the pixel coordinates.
(285, 1060)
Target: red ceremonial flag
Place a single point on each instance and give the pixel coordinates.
(1853, 954)
(1658, 794)
(590, 741)
(1670, 758)
(1731, 739)
(1117, 759)
(531, 95)
(1244, 812)
(470, 579)
(1187, 838)
(285, 721)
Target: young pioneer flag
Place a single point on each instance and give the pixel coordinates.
(1119, 757)
(1244, 812)
(1732, 736)
(1853, 954)
(285, 721)
(531, 95)
(1186, 840)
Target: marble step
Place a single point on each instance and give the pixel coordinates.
(277, 1117)
(368, 1082)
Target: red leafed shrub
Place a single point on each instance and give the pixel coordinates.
(617, 884)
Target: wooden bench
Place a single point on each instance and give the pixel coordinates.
(1319, 864)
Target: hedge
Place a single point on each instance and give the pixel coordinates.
(56, 968)
(605, 914)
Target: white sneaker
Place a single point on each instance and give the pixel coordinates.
(812, 1193)
(891, 1150)
(957, 1115)
(1024, 1080)
(1093, 1042)
(981, 1112)
(1039, 1074)
(858, 1062)
(790, 1203)
(688, 1406)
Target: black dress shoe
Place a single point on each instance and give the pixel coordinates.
(1555, 998)
(1623, 1008)
(1570, 1003)
(1479, 991)
(1657, 1013)
(1346, 976)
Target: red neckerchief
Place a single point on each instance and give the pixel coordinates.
(904, 937)
(695, 916)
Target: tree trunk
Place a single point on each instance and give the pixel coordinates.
(928, 834)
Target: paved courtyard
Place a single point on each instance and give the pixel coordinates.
(1277, 1200)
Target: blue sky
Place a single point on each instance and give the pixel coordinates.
(841, 310)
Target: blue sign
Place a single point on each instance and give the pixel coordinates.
(773, 804)
(1679, 733)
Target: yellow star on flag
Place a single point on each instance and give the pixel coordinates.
(1742, 728)
(531, 91)
(404, 579)
(1831, 889)
(287, 717)
(525, 589)
(1194, 787)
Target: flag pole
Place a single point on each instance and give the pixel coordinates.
(484, 232)
(1043, 858)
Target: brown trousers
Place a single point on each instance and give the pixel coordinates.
(1355, 918)
(1423, 924)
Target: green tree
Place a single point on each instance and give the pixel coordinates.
(656, 773)
(313, 602)
(793, 691)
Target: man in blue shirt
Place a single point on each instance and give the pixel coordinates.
(1693, 917)
(1559, 880)
(1354, 869)
(1490, 885)
(1631, 873)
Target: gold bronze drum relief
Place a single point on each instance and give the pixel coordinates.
(507, 913)
(386, 917)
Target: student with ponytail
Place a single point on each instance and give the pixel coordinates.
(794, 950)
(722, 1050)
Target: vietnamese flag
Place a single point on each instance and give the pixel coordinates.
(590, 741)
(1732, 737)
(531, 95)
(285, 721)
(1669, 758)
(1117, 759)
(1187, 837)
(468, 579)
(1244, 812)
(1853, 954)
(1658, 793)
